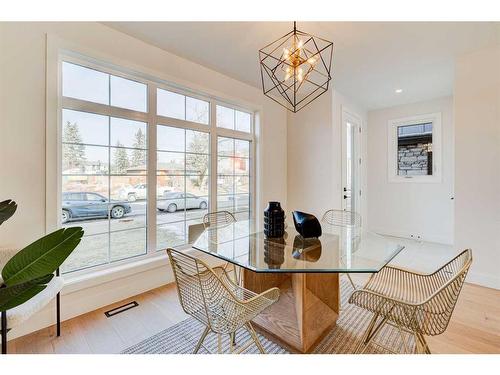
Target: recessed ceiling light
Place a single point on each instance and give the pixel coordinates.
(398, 91)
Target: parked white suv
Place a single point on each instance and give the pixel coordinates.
(140, 191)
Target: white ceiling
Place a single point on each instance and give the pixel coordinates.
(371, 59)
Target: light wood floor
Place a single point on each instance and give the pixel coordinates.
(474, 328)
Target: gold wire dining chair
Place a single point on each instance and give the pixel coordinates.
(211, 297)
(343, 218)
(219, 218)
(416, 303)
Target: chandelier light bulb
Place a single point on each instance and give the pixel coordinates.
(300, 77)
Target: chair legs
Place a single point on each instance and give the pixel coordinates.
(255, 338)
(233, 338)
(373, 328)
(364, 340)
(421, 344)
(248, 327)
(352, 282)
(4, 332)
(58, 314)
(58, 308)
(236, 271)
(202, 338)
(370, 333)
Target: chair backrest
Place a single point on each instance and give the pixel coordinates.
(201, 292)
(213, 219)
(434, 315)
(342, 218)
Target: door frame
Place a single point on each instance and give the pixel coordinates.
(353, 117)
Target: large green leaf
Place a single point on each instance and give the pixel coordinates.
(15, 295)
(42, 257)
(7, 209)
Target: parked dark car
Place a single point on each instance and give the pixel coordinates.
(81, 205)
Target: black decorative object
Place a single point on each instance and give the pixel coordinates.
(306, 224)
(308, 249)
(296, 68)
(274, 220)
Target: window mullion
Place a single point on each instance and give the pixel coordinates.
(185, 184)
(151, 170)
(213, 158)
(109, 189)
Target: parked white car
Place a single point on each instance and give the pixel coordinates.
(140, 191)
(178, 201)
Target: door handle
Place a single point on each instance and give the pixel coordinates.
(345, 196)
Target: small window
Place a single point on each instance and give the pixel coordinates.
(197, 110)
(225, 117)
(171, 104)
(243, 120)
(414, 149)
(233, 119)
(85, 83)
(128, 94)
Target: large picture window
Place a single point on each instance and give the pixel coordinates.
(127, 209)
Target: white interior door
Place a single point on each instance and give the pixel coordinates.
(351, 162)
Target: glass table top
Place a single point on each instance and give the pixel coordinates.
(338, 250)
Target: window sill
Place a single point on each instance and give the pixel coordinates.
(74, 283)
(434, 179)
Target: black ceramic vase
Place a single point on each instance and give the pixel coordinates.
(274, 220)
(306, 224)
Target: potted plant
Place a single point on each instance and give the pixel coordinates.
(29, 271)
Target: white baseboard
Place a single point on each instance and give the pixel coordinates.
(428, 238)
(489, 281)
(482, 279)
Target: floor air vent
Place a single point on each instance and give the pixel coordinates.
(121, 309)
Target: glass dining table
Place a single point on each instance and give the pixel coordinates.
(337, 250)
(305, 269)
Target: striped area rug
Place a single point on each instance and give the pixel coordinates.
(342, 339)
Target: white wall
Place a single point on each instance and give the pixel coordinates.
(22, 122)
(311, 157)
(408, 208)
(314, 142)
(477, 156)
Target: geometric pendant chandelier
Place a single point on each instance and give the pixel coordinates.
(295, 69)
